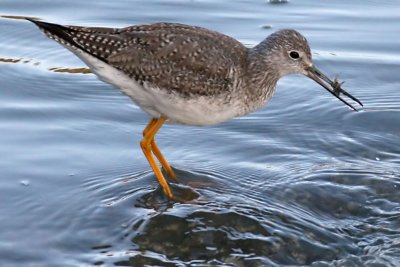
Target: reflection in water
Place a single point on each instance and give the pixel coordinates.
(54, 69)
(17, 17)
(9, 60)
(342, 211)
(71, 70)
(227, 236)
(18, 60)
(330, 215)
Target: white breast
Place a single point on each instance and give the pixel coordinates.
(201, 110)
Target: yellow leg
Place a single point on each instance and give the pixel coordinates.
(149, 126)
(157, 152)
(163, 161)
(146, 145)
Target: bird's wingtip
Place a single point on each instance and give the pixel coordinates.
(41, 24)
(35, 21)
(51, 28)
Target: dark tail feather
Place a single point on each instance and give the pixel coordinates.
(56, 30)
(45, 25)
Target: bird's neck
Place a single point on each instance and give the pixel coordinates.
(262, 74)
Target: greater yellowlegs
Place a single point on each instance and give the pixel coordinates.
(187, 74)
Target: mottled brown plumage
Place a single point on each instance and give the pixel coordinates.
(191, 61)
(169, 55)
(187, 74)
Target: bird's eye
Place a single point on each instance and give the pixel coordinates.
(294, 54)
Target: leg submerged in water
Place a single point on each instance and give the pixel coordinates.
(149, 147)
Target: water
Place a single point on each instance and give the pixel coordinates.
(304, 181)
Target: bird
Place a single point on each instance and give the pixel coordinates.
(188, 74)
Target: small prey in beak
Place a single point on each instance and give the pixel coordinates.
(334, 87)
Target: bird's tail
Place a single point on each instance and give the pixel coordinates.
(59, 33)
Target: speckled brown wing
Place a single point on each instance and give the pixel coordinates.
(179, 58)
(176, 61)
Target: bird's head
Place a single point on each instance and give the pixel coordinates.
(291, 54)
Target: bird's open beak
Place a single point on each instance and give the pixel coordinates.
(333, 87)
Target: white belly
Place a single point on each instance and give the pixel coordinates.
(201, 110)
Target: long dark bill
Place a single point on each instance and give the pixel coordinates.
(333, 87)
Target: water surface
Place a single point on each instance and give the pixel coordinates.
(304, 181)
